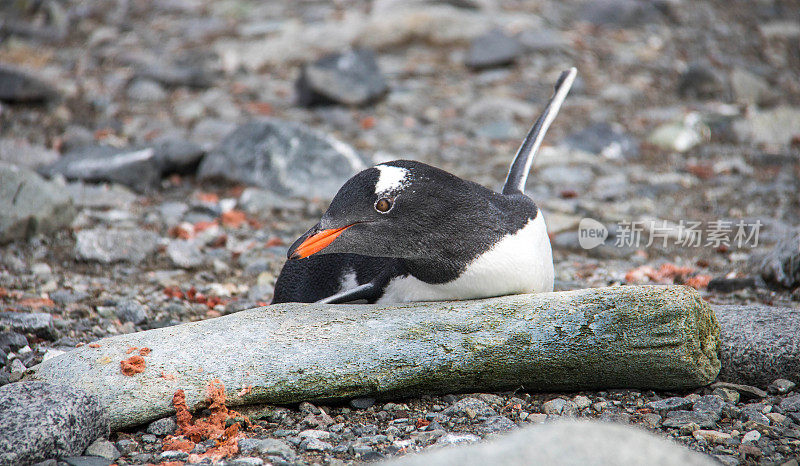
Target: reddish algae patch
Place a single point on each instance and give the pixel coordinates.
(132, 365)
(213, 427)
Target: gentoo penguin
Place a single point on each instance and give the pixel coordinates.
(406, 231)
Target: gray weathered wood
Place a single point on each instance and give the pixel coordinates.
(629, 336)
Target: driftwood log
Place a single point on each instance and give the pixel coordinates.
(663, 337)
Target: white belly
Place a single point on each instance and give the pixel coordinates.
(521, 263)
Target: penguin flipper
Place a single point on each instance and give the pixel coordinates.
(368, 291)
(521, 166)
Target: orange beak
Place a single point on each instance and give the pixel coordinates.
(317, 242)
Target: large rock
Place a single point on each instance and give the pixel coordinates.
(759, 343)
(42, 421)
(18, 86)
(350, 78)
(565, 443)
(284, 157)
(30, 205)
(642, 337)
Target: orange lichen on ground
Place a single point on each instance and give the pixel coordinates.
(213, 427)
(144, 351)
(132, 365)
(233, 218)
(36, 303)
(131, 349)
(94, 345)
(167, 376)
(698, 281)
(666, 274)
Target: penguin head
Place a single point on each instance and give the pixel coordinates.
(401, 209)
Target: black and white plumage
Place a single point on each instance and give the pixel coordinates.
(406, 231)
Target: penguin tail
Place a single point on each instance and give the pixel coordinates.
(521, 166)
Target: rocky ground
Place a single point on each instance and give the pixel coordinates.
(682, 112)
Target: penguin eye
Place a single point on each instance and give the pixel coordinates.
(383, 205)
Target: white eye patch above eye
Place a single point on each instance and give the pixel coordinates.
(391, 179)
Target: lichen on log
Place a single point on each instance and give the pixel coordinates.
(661, 337)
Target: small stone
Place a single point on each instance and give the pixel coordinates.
(18, 86)
(712, 436)
(36, 323)
(651, 420)
(361, 450)
(669, 404)
(245, 461)
(709, 404)
(131, 311)
(86, 461)
(791, 403)
(362, 403)
(317, 445)
(536, 418)
(103, 448)
(748, 88)
(700, 81)
(619, 13)
(20, 152)
(752, 436)
(493, 49)
(754, 412)
(127, 446)
(457, 439)
(726, 394)
(185, 254)
(746, 391)
(471, 407)
(678, 137)
(163, 426)
(12, 341)
(135, 167)
(582, 402)
(424, 438)
(781, 386)
(688, 428)
(146, 90)
(350, 78)
(682, 418)
(108, 245)
(496, 424)
(314, 433)
(173, 455)
(776, 418)
(490, 398)
(774, 126)
(319, 163)
(559, 406)
(267, 447)
(149, 438)
(31, 205)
